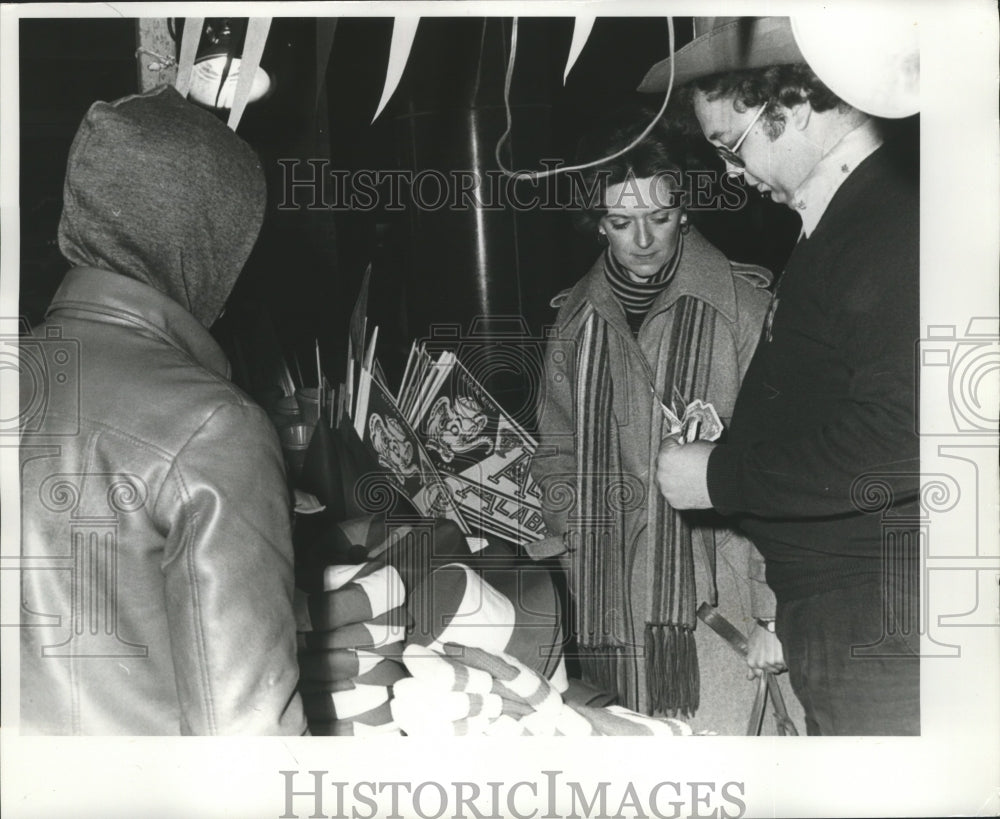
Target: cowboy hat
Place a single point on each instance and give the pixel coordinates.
(871, 61)
(732, 45)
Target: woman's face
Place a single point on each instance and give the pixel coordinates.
(642, 223)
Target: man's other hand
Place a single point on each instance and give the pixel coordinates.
(764, 653)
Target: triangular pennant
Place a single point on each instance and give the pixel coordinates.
(404, 29)
(581, 32)
(189, 49)
(253, 50)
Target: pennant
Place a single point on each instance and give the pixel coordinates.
(404, 29)
(189, 48)
(253, 50)
(581, 32)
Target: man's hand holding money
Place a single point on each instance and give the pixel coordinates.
(682, 465)
(681, 473)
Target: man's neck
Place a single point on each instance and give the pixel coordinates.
(834, 125)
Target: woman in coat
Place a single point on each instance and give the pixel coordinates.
(661, 316)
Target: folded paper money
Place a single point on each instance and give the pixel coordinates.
(698, 421)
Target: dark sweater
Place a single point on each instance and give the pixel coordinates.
(831, 398)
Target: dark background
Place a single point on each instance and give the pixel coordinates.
(428, 268)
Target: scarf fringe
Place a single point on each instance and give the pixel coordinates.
(602, 667)
(672, 675)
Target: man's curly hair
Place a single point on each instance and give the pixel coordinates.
(788, 85)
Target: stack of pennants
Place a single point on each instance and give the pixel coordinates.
(447, 444)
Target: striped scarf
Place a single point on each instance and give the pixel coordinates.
(636, 298)
(596, 535)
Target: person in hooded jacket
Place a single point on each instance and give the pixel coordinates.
(156, 544)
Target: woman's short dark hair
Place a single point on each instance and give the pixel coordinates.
(669, 149)
(788, 85)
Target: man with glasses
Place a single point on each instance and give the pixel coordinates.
(824, 420)
(731, 156)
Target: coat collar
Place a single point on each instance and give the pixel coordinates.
(704, 272)
(817, 190)
(113, 298)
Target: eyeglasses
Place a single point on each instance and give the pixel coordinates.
(729, 154)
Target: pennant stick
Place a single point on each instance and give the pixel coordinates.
(361, 407)
(350, 381)
(285, 377)
(357, 329)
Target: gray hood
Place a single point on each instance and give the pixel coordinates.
(161, 191)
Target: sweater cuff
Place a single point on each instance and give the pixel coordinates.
(723, 479)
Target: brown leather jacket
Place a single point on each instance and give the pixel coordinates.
(156, 551)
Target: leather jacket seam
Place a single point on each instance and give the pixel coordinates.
(93, 313)
(188, 554)
(127, 317)
(175, 473)
(105, 429)
(196, 613)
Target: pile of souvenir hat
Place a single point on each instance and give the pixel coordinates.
(351, 649)
(422, 584)
(459, 690)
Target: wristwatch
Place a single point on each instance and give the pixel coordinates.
(765, 623)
